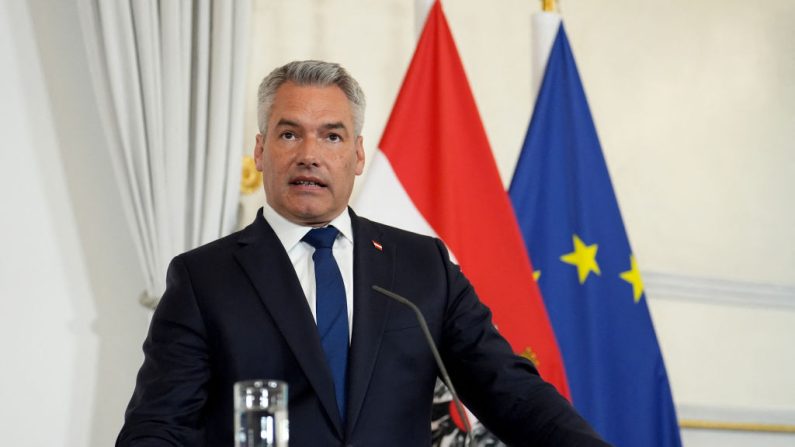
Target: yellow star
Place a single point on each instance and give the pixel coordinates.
(536, 275)
(584, 257)
(632, 276)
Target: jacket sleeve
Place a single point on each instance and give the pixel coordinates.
(170, 391)
(502, 389)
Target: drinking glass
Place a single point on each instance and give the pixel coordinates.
(261, 418)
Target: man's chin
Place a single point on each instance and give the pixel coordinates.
(313, 217)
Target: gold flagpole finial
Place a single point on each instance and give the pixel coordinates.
(548, 5)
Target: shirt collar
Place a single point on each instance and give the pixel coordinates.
(290, 233)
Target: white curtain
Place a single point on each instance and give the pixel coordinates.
(170, 82)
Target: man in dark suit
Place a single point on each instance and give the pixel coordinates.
(252, 305)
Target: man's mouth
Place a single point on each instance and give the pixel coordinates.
(307, 181)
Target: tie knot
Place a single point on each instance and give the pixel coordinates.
(321, 237)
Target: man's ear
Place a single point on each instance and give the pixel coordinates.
(259, 148)
(359, 155)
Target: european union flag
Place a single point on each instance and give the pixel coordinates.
(589, 279)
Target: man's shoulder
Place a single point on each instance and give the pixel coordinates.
(224, 246)
(213, 249)
(414, 247)
(391, 232)
(257, 232)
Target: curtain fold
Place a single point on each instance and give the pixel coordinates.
(170, 81)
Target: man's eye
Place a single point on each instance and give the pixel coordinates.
(287, 136)
(334, 138)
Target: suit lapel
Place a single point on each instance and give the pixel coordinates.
(373, 264)
(267, 265)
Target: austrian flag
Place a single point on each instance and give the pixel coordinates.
(443, 182)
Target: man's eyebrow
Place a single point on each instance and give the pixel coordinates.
(334, 125)
(286, 122)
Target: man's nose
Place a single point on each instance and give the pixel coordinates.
(308, 152)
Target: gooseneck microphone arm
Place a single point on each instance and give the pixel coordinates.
(436, 356)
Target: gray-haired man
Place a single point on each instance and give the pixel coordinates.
(250, 305)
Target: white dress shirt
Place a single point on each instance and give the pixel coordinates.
(300, 254)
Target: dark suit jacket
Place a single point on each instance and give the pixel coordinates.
(234, 310)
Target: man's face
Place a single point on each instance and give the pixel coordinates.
(310, 154)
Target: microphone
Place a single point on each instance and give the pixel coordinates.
(445, 377)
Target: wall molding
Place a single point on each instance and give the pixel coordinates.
(755, 419)
(667, 286)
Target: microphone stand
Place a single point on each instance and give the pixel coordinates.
(436, 356)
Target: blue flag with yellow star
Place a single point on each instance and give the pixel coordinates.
(589, 279)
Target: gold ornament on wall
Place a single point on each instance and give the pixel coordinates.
(250, 178)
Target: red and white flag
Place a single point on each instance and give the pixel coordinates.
(434, 173)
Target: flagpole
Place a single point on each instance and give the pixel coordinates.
(544, 28)
(421, 8)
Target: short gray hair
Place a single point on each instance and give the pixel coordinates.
(310, 73)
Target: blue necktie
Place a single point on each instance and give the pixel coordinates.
(332, 308)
